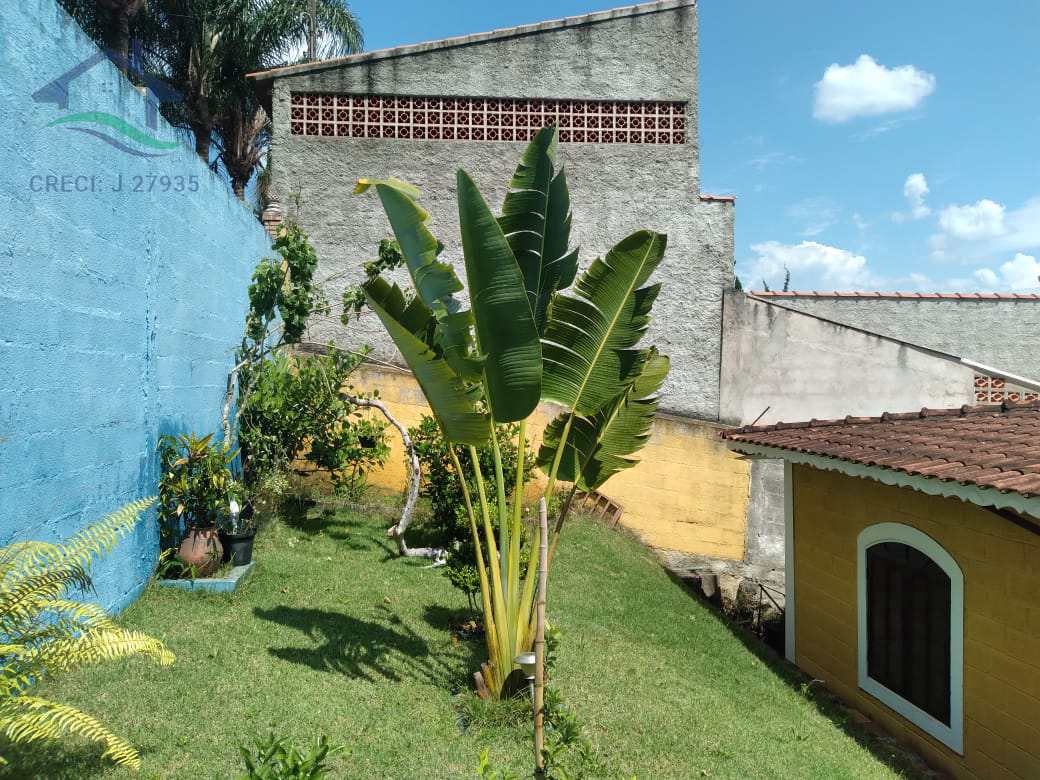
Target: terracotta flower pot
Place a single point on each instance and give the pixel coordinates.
(202, 549)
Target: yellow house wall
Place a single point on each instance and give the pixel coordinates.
(689, 492)
(1001, 622)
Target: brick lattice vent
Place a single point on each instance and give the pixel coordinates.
(992, 389)
(487, 119)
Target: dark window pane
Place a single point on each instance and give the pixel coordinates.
(908, 626)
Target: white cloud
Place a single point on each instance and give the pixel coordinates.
(859, 222)
(867, 88)
(810, 263)
(915, 188)
(983, 219)
(1020, 273)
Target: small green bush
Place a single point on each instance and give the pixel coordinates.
(275, 758)
(293, 409)
(441, 485)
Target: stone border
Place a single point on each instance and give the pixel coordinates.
(226, 584)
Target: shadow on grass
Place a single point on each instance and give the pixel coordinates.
(308, 518)
(54, 760)
(365, 649)
(882, 747)
(448, 618)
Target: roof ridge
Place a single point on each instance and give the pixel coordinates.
(639, 9)
(966, 410)
(969, 296)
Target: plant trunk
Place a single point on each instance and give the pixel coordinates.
(539, 641)
(122, 42)
(238, 187)
(414, 475)
(203, 141)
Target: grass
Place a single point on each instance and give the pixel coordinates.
(333, 634)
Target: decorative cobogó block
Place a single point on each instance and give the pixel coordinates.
(487, 119)
(992, 389)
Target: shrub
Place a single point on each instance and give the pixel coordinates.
(45, 632)
(294, 409)
(440, 483)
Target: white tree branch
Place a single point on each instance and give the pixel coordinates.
(397, 531)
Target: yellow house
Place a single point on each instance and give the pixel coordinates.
(913, 574)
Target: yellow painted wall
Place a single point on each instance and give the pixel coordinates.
(689, 492)
(1001, 566)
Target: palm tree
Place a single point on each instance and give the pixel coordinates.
(245, 134)
(203, 49)
(110, 24)
(270, 34)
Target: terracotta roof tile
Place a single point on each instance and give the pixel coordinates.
(990, 446)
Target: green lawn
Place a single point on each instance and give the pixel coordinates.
(334, 634)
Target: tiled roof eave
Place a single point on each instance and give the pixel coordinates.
(985, 497)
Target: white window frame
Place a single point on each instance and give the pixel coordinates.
(953, 735)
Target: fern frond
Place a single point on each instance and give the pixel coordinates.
(25, 719)
(22, 599)
(27, 555)
(97, 539)
(96, 646)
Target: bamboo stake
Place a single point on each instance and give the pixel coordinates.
(539, 641)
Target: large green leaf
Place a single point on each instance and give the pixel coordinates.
(602, 445)
(447, 394)
(507, 338)
(589, 341)
(435, 281)
(536, 220)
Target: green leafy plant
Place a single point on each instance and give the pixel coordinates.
(276, 758)
(296, 409)
(524, 340)
(44, 631)
(282, 296)
(442, 485)
(196, 484)
(487, 771)
(389, 259)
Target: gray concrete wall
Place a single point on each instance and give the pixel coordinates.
(615, 188)
(802, 367)
(1003, 334)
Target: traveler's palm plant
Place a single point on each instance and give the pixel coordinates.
(523, 340)
(44, 631)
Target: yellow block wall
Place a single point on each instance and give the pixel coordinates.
(688, 493)
(1001, 566)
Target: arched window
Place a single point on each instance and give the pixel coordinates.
(911, 628)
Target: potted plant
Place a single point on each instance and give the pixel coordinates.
(195, 492)
(239, 529)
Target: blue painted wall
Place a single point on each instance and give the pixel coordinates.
(119, 311)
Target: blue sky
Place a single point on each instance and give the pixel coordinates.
(884, 145)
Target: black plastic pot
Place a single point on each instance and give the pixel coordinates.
(238, 548)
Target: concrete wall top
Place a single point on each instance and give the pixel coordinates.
(615, 188)
(122, 294)
(1001, 332)
(793, 366)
